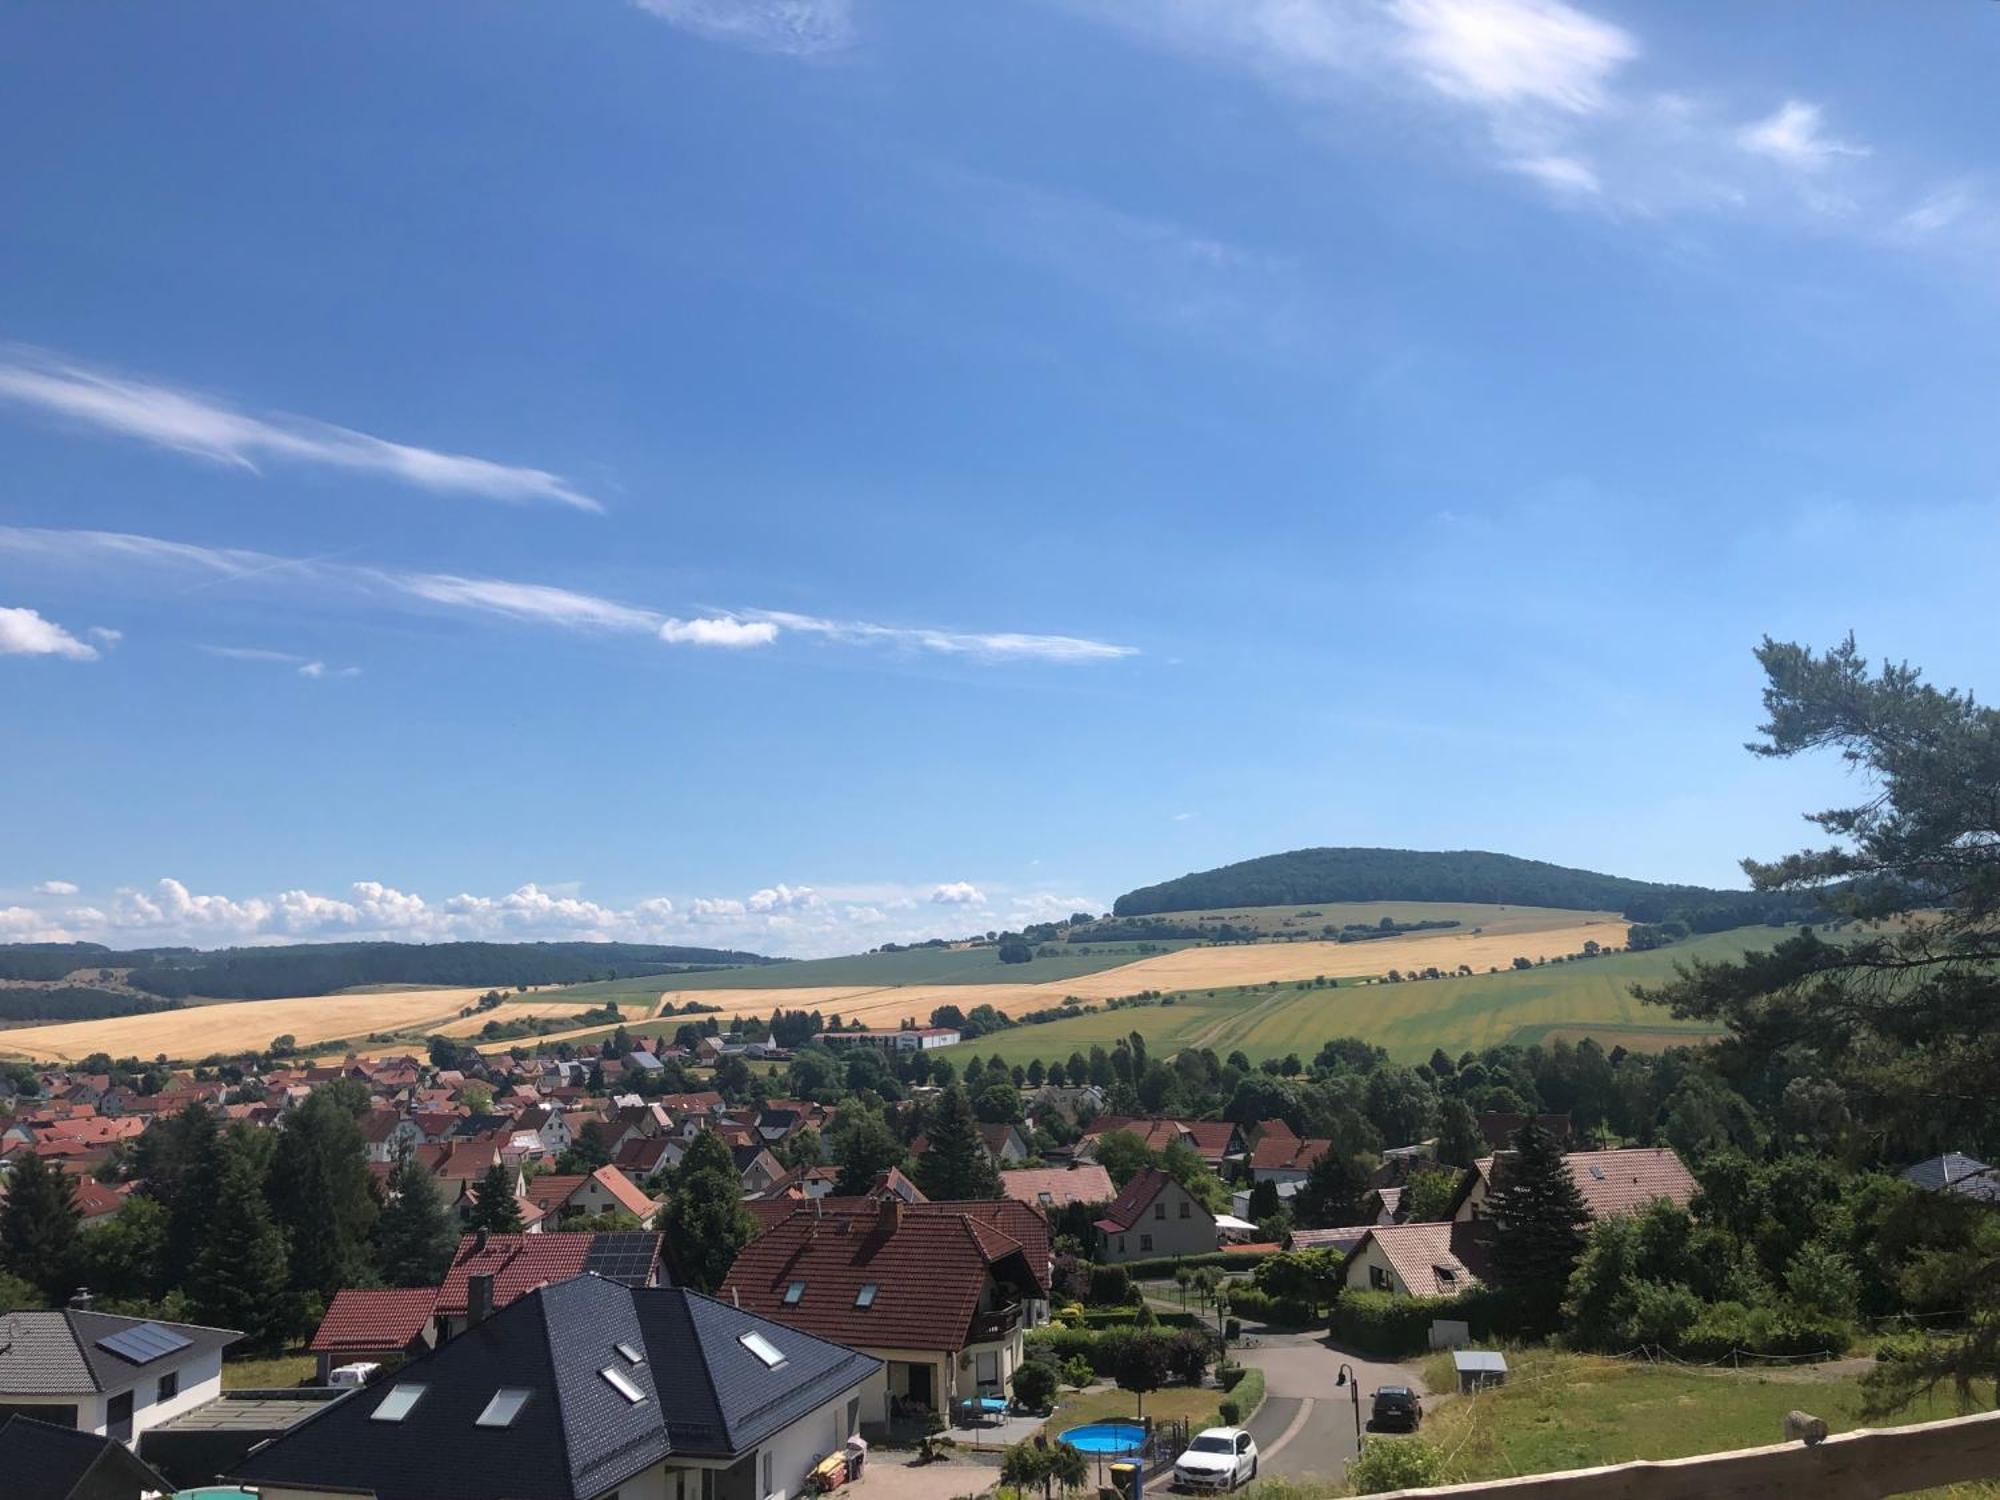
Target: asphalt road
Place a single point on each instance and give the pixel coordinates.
(1306, 1425)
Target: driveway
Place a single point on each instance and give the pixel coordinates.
(891, 1476)
(1306, 1425)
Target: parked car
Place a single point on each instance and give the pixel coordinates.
(1397, 1406)
(1218, 1459)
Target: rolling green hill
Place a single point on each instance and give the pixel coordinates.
(1591, 997)
(1330, 875)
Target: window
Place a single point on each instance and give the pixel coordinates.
(866, 1296)
(170, 1386)
(763, 1348)
(396, 1405)
(1159, 1210)
(631, 1356)
(503, 1408)
(1145, 1242)
(1378, 1279)
(793, 1292)
(1185, 1206)
(767, 1471)
(1446, 1276)
(1121, 1244)
(622, 1384)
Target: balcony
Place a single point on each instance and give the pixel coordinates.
(992, 1327)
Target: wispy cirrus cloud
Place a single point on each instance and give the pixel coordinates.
(798, 28)
(305, 666)
(540, 604)
(23, 632)
(1795, 136)
(200, 426)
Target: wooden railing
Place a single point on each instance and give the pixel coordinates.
(1852, 1466)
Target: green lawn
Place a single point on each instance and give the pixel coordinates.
(1588, 998)
(269, 1373)
(1567, 1411)
(1194, 1404)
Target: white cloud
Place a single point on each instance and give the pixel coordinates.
(1940, 209)
(718, 632)
(1563, 173)
(23, 632)
(306, 666)
(56, 888)
(958, 893)
(204, 428)
(1793, 137)
(104, 635)
(1184, 817)
(1511, 52)
(795, 27)
(704, 908)
(783, 897)
(535, 603)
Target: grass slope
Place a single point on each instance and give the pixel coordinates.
(1589, 998)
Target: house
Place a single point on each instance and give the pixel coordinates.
(1004, 1143)
(1154, 1216)
(382, 1327)
(1285, 1158)
(908, 1039)
(643, 1065)
(489, 1271)
(1953, 1173)
(1071, 1101)
(109, 1375)
(1053, 1188)
(1216, 1142)
(1610, 1182)
(604, 1191)
(45, 1461)
(758, 1169)
(583, 1389)
(938, 1292)
(1419, 1260)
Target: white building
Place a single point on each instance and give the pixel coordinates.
(112, 1376)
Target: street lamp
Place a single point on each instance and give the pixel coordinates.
(1348, 1378)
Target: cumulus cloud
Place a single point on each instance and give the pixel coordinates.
(958, 893)
(782, 897)
(1794, 137)
(798, 28)
(56, 888)
(532, 603)
(23, 632)
(186, 422)
(718, 632)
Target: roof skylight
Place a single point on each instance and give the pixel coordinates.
(622, 1384)
(866, 1296)
(632, 1356)
(396, 1405)
(793, 1292)
(762, 1347)
(503, 1408)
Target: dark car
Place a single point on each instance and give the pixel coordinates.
(1397, 1406)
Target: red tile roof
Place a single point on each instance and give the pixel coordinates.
(1421, 1252)
(550, 1191)
(929, 1267)
(367, 1322)
(627, 1193)
(1054, 1187)
(1275, 1153)
(1611, 1182)
(518, 1263)
(1131, 1204)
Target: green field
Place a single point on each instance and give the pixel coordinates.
(1567, 1411)
(914, 966)
(1591, 997)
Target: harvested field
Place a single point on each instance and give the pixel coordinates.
(241, 1026)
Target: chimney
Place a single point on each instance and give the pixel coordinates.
(891, 1218)
(479, 1241)
(478, 1300)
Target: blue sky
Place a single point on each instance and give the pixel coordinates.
(802, 473)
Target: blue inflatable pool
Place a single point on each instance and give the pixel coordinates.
(1106, 1438)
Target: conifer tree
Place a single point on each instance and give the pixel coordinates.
(1459, 1142)
(413, 1238)
(38, 1225)
(706, 1223)
(1330, 1197)
(497, 1212)
(1540, 1223)
(240, 1277)
(955, 1163)
(322, 1195)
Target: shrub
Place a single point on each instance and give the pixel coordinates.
(1077, 1372)
(1252, 1302)
(1110, 1286)
(1189, 1352)
(1162, 1267)
(1231, 1413)
(1395, 1464)
(1385, 1325)
(1228, 1376)
(1036, 1383)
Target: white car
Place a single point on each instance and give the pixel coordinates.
(1219, 1459)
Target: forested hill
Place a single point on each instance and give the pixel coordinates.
(1305, 876)
(319, 968)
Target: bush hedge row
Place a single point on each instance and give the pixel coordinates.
(1162, 1268)
(1383, 1324)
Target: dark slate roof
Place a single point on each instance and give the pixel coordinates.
(44, 1462)
(706, 1396)
(1956, 1173)
(56, 1353)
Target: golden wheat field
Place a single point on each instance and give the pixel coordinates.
(239, 1026)
(1222, 967)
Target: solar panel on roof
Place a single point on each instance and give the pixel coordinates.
(622, 1257)
(145, 1343)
